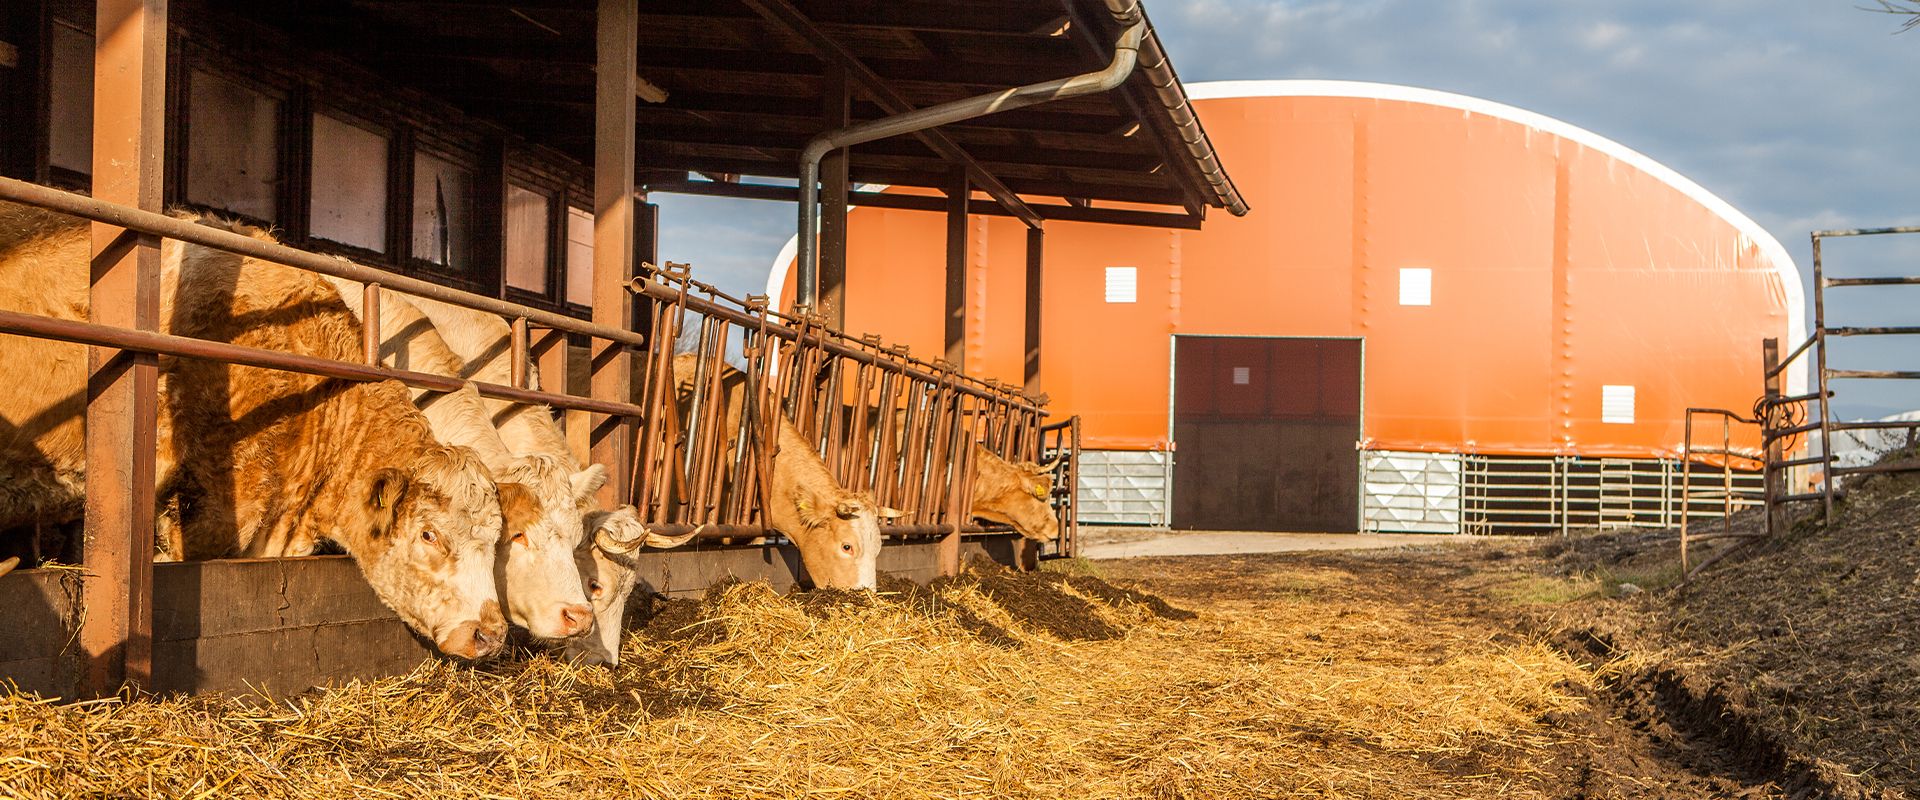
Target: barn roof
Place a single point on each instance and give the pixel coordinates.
(740, 84)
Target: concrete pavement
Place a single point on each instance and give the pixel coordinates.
(1103, 542)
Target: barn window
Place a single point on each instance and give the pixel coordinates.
(233, 146)
(349, 201)
(442, 212)
(70, 104)
(1242, 376)
(1122, 284)
(527, 229)
(1416, 286)
(579, 257)
(1616, 404)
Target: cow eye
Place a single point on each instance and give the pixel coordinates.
(594, 587)
(520, 538)
(429, 536)
(846, 548)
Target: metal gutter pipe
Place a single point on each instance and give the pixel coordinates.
(1126, 53)
(1172, 97)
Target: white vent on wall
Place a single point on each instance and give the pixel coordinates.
(1616, 404)
(1242, 376)
(1121, 284)
(1416, 286)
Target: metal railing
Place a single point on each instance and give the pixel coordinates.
(1061, 440)
(1557, 494)
(1730, 498)
(1784, 417)
(883, 421)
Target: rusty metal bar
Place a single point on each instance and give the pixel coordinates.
(116, 214)
(1820, 372)
(517, 349)
(1773, 475)
(87, 333)
(832, 345)
(1892, 281)
(1840, 232)
(129, 124)
(370, 323)
(1870, 374)
(1855, 330)
(1781, 366)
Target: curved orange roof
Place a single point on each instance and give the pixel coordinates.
(1560, 263)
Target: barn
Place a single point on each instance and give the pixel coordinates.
(1449, 314)
(493, 160)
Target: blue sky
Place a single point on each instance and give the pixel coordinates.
(1801, 113)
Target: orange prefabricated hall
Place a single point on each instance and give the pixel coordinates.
(1443, 314)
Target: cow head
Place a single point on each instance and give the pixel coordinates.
(434, 535)
(838, 535)
(1014, 494)
(608, 574)
(540, 498)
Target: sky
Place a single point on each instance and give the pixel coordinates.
(1801, 113)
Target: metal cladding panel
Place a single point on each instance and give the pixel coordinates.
(1558, 263)
(1122, 487)
(1411, 492)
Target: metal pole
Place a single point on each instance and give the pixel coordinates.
(1826, 399)
(1771, 474)
(1125, 55)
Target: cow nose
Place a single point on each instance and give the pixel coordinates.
(576, 619)
(469, 640)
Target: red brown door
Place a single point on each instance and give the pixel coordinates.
(1265, 433)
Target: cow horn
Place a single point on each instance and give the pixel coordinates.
(661, 541)
(605, 540)
(1053, 465)
(8, 565)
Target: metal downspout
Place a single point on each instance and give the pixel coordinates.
(1126, 53)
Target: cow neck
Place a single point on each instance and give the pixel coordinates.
(375, 427)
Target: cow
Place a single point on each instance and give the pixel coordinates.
(258, 462)
(481, 341)
(540, 584)
(1014, 494)
(836, 531)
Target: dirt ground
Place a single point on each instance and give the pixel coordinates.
(1624, 737)
(1535, 669)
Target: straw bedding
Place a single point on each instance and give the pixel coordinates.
(992, 684)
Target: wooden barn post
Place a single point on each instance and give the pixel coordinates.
(956, 308)
(1036, 258)
(129, 118)
(616, 91)
(834, 195)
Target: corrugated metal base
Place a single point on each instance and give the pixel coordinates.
(1123, 487)
(1410, 492)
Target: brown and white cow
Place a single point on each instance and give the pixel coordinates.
(836, 531)
(481, 341)
(539, 582)
(257, 462)
(1014, 493)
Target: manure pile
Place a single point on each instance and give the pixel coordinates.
(993, 684)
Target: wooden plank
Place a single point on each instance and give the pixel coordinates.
(615, 87)
(286, 625)
(129, 106)
(41, 610)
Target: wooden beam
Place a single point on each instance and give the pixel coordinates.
(1036, 245)
(616, 83)
(784, 15)
(129, 122)
(837, 102)
(958, 194)
(915, 202)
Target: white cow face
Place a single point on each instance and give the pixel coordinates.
(539, 582)
(435, 536)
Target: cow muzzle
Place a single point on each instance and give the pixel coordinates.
(475, 639)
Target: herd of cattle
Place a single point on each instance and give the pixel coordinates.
(464, 513)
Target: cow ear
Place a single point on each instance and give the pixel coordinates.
(810, 511)
(848, 507)
(383, 495)
(589, 480)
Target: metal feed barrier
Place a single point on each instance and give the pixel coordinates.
(887, 423)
